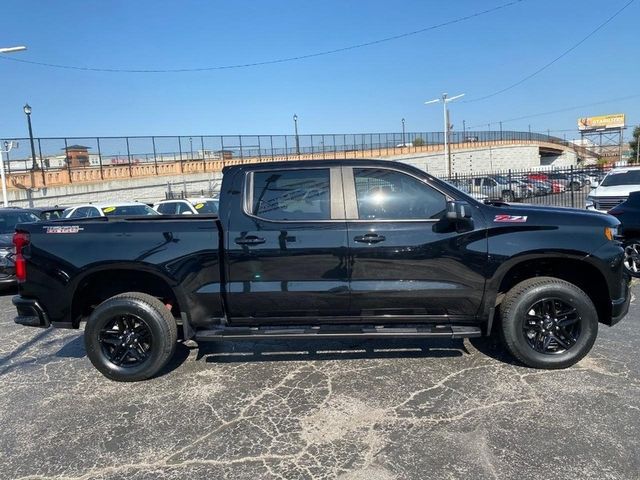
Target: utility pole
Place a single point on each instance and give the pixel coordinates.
(7, 148)
(403, 132)
(445, 112)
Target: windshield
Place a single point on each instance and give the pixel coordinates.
(206, 206)
(9, 220)
(501, 178)
(622, 177)
(128, 210)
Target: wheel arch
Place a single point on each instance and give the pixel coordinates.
(99, 283)
(572, 269)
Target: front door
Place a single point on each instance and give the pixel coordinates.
(286, 247)
(402, 265)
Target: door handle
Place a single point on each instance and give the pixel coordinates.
(370, 238)
(250, 240)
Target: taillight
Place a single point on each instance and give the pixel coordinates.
(20, 240)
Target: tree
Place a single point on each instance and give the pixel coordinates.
(634, 145)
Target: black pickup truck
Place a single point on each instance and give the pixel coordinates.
(313, 249)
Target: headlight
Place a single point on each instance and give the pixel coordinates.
(4, 251)
(589, 202)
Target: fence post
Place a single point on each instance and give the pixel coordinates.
(271, 142)
(311, 147)
(204, 158)
(180, 153)
(571, 186)
(129, 156)
(100, 158)
(511, 185)
(286, 149)
(155, 155)
(241, 152)
(222, 149)
(66, 159)
(44, 182)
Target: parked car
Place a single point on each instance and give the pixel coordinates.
(109, 209)
(47, 213)
(628, 212)
(9, 218)
(570, 182)
(614, 189)
(498, 187)
(326, 249)
(464, 187)
(187, 206)
(540, 187)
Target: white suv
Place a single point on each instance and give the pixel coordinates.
(614, 189)
(187, 206)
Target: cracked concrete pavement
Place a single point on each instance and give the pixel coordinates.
(356, 410)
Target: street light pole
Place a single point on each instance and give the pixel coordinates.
(34, 163)
(191, 146)
(445, 100)
(403, 132)
(295, 126)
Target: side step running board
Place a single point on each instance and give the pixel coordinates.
(246, 333)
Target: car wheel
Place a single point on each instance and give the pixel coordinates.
(508, 196)
(632, 257)
(548, 323)
(130, 337)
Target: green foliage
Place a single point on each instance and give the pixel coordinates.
(418, 142)
(634, 145)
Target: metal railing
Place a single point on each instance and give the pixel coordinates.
(562, 187)
(102, 153)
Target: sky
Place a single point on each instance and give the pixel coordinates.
(367, 89)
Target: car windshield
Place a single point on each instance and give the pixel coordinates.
(9, 220)
(206, 206)
(128, 210)
(622, 177)
(501, 178)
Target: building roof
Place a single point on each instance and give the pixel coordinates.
(76, 147)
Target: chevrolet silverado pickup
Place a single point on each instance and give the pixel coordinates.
(332, 248)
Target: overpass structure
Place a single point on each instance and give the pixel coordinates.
(74, 170)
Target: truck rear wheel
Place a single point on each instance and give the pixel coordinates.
(548, 323)
(130, 337)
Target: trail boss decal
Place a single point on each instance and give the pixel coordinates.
(510, 218)
(65, 229)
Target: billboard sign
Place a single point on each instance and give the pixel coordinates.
(615, 120)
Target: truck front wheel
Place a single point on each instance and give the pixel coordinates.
(130, 337)
(548, 322)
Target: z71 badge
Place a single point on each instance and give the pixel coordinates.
(510, 218)
(63, 229)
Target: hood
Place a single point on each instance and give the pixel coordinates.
(543, 215)
(614, 191)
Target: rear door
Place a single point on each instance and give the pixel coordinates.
(403, 264)
(286, 246)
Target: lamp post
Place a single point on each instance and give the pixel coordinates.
(403, 132)
(191, 146)
(445, 100)
(34, 163)
(295, 126)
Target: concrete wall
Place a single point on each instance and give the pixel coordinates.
(141, 189)
(487, 159)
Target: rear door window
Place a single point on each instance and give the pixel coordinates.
(292, 194)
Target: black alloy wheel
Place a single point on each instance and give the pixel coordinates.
(552, 326)
(126, 340)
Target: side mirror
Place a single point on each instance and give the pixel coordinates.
(458, 211)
